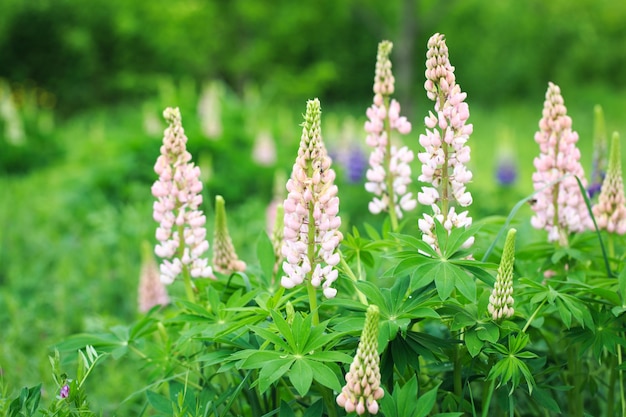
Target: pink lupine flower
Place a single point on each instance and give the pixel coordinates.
(181, 233)
(362, 390)
(152, 291)
(311, 233)
(559, 209)
(446, 152)
(610, 210)
(225, 259)
(390, 172)
(210, 109)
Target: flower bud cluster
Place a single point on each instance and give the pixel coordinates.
(445, 150)
(181, 232)
(389, 172)
(610, 210)
(225, 258)
(362, 390)
(560, 208)
(311, 234)
(501, 299)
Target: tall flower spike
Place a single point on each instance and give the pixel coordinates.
(362, 390)
(311, 234)
(446, 151)
(501, 299)
(598, 170)
(559, 209)
(610, 211)
(225, 258)
(389, 173)
(151, 292)
(181, 233)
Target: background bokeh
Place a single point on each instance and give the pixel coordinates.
(83, 85)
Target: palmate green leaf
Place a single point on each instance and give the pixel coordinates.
(488, 332)
(272, 371)
(330, 356)
(323, 374)
(449, 276)
(473, 343)
(301, 376)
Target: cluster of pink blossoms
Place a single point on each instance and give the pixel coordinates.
(559, 209)
(389, 172)
(446, 151)
(311, 233)
(181, 233)
(610, 210)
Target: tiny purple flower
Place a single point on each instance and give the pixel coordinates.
(65, 391)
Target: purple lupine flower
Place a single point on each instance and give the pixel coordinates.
(356, 164)
(181, 233)
(362, 390)
(65, 391)
(610, 210)
(559, 209)
(598, 171)
(311, 234)
(506, 170)
(446, 152)
(390, 172)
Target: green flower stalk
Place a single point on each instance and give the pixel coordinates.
(610, 210)
(225, 258)
(362, 390)
(501, 299)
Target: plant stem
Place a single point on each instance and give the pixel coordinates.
(457, 373)
(487, 394)
(312, 292)
(532, 317)
(329, 400)
(610, 398)
(575, 400)
(621, 380)
(354, 279)
(389, 177)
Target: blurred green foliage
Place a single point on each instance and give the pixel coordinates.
(115, 49)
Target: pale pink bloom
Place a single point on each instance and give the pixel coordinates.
(312, 203)
(181, 233)
(610, 210)
(210, 110)
(559, 209)
(264, 150)
(390, 172)
(151, 292)
(445, 152)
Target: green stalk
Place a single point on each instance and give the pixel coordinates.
(311, 290)
(531, 318)
(457, 372)
(354, 279)
(575, 400)
(487, 394)
(389, 178)
(445, 198)
(621, 380)
(329, 400)
(610, 397)
(189, 287)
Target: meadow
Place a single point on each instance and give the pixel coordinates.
(76, 214)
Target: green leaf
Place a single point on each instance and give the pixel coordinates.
(265, 254)
(473, 343)
(488, 332)
(160, 403)
(301, 376)
(464, 283)
(622, 286)
(285, 410)
(426, 402)
(323, 374)
(272, 371)
(315, 410)
(444, 280)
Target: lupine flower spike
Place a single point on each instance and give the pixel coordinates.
(152, 291)
(446, 152)
(610, 211)
(311, 234)
(559, 209)
(389, 173)
(181, 233)
(501, 299)
(225, 258)
(599, 159)
(362, 390)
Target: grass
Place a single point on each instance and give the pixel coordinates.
(71, 231)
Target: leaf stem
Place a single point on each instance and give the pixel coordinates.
(532, 317)
(354, 278)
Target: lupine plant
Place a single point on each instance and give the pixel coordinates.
(446, 318)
